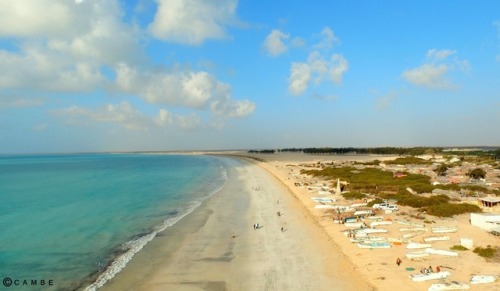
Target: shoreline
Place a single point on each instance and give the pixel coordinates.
(216, 248)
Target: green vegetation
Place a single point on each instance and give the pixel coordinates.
(386, 186)
(487, 252)
(408, 161)
(459, 248)
(477, 173)
(353, 195)
(441, 170)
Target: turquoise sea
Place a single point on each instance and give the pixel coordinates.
(67, 219)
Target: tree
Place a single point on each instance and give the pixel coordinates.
(477, 174)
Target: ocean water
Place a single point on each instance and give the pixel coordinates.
(71, 220)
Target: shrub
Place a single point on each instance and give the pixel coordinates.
(353, 195)
(487, 252)
(459, 248)
(449, 209)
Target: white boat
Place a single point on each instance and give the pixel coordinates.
(322, 200)
(412, 234)
(441, 252)
(353, 224)
(406, 222)
(417, 246)
(444, 229)
(324, 193)
(397, 240)
(371, 230)
(430, 276)
(413, 255)
(377, 223)
(453, 285)
(436, 238)
(363, 212)
(374, 245)
(367, 239)
(483, 279)
(412, 229)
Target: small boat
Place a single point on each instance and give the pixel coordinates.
(417, 246)
(371, 230)
(407, 222)
(444, 229)
(363, 212)
(374, 245)
(483, 279)
(412, 229)
(367, 239)
(413, 255)
(412, 234)
(322, 200)
(324, 193)
(430, 276)
(441, 252)
(453, 285)
(377, 223)
(353, 224)
(436, 238)
(397, 240)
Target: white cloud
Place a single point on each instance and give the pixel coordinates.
(129, 117)
(434, 54)
(318, 67)
(434, 73)
(428, 75)
(274, 44)
(300, 75)
(20, 102)
(192, 21)
(198, 90)
(382, 103)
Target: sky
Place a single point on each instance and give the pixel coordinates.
(146, 75)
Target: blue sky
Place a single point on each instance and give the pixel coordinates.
(111, 75)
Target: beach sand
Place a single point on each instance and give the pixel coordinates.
(217, 248)
(378, 266)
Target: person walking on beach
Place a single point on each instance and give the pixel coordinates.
(398, 262)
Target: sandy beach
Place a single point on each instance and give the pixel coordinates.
(378, 266)
(217, 248)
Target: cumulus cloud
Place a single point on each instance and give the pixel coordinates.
(320, 65)
(433, 74)
(192, 21)
(129, 117)
(274, 44)
(198, 90)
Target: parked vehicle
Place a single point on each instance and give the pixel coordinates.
(386, 206)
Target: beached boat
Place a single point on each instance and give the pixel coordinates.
(353, 224)
(441, 252)
(363, 212)
(371, 230)
(436, 238)
(322, 199)
(444, 229)
(430, 276)
(368, 239)
(374, 245)
(483, 279)
(324, 193)
(377, 223)
(375, 218)
(412, 229)
(453, 285)
(413, 255)
(412, 234)
(417, 246)
(409, 223)
(397, 240)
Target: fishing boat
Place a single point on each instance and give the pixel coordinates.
(377, 223)
(322, 199)
(374, 245)
(353, 224)
(412, 229)
(413, 255)
(453, 285)
(483, 279)
(441, 252)
(363, 212)
(444, 229)
(430, 276)
(417, 246)
(436, 238)
(371, 230)
(368, 239)
(412, 234)
(397, 240)
(407, 222)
